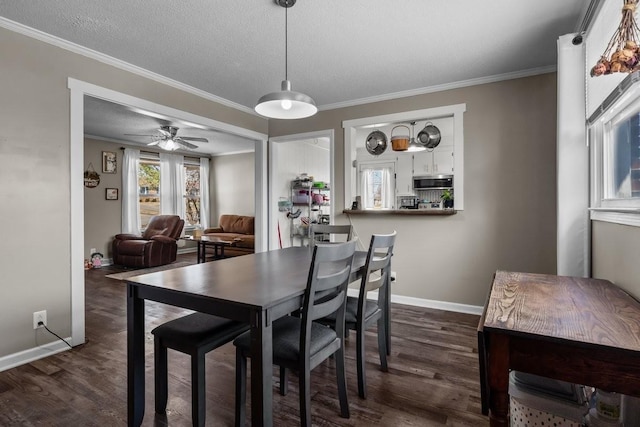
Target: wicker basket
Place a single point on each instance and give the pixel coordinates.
(399, 142)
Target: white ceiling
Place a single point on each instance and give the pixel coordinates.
(340, 52)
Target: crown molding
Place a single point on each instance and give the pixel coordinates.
(439, 88)
(109, 60)
(117, 63)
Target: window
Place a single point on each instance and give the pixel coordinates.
(376, 185)
(614, 137)
(148, 190)
(192, 193)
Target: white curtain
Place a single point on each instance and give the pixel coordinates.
(386, 192)
(172, 185)
(130, 200)
(367, 190)
(366, 194)
(573, 234)
(204, 192)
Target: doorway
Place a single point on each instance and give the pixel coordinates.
(292, 157)
(78, 90)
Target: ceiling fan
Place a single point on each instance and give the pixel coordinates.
(167, 140)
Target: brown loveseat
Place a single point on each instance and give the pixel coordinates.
(157, 245)
(238, 229)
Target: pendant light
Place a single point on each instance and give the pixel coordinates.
(286, 104)
(413, 145)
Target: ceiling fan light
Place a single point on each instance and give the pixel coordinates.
(274, 105)
(168, 145)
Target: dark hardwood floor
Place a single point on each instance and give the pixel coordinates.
(432, 378)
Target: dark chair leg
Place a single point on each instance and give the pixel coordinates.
(160, 367)
(382, 344)
(284, 386)
(305, 397)
(241, 387)
(360, 355)
(342, 383)
(198, 408)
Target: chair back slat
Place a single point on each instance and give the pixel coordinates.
(329, 278)
(331, 230)
(376, 268)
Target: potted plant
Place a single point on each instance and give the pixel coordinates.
(447, 199)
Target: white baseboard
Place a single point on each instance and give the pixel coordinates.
(35, 353)
(427, 303)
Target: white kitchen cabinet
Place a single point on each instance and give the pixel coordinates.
(404, 174)
(438, 161)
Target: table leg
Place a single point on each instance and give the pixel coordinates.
(221, 251)
(261, 371)
(387, 311)
(200, 247)
(497, 360)
(135, 357)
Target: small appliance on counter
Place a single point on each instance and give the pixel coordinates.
(408, 202)
(425, 204)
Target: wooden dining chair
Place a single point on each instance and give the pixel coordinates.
(195, 335)
(361, 312)
(322, 233)
(299, 343)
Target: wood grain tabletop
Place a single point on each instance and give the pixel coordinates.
(587, 311)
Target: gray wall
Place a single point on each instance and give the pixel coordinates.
(614, 253)
(509, 221)
(34, 171)
(102, 218)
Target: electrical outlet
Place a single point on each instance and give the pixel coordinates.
(393, 276)
(39, 316)
(92, 251)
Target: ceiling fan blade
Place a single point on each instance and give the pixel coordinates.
(185, 143)
(190, 138)
(136, 134)
(165, 132)
(154, 142)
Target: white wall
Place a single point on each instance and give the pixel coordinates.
(615, 247)
(596, 40)
(232, 186)
(293, 158)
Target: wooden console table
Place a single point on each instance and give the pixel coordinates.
(585, 331)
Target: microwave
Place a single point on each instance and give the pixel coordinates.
(433, 182)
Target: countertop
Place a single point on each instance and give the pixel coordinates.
(427, 212)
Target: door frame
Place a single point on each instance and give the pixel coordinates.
(78, 89)
(273, 167)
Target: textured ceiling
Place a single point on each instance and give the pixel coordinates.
(340, 51)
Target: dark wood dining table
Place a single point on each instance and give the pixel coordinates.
(257, 289)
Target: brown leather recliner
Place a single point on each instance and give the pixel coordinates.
(157, 246)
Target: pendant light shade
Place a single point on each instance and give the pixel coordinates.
(286, 104)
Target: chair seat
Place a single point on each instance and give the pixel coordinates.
(352, 310)
(199, 330)
(286, 338)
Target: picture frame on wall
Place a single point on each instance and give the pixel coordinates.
(109, 162)
(111, 194)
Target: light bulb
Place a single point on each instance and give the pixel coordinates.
(286, 104)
